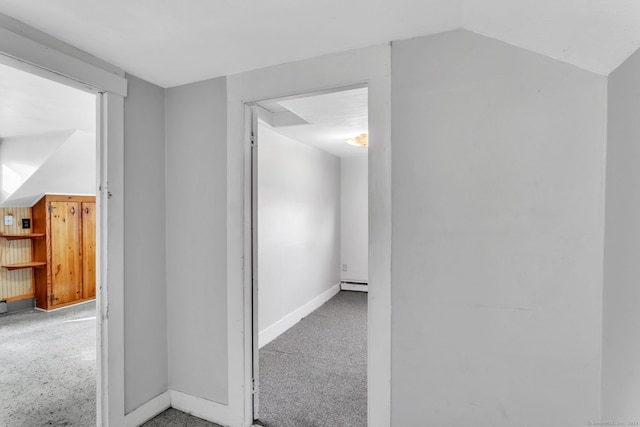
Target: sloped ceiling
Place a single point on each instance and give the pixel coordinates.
(597, 35)
(70, 169)
(172, 43)
(32, 105)
(47, 138)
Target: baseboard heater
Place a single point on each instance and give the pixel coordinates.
(19, 305)
(354, 286)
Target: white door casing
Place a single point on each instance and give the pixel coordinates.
(370, 67)
(41, 58)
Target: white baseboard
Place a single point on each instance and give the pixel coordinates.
(201, 408)
(66, 306)
(272, 332)
(149, 410)
(197, 406)
(352, 286)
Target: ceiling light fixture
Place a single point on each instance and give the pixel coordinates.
(361, 140)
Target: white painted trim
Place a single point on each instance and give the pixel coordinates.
(110, 255)
(144, 413)
(42, 58)
(272, 332)
(45, 39)
(370, 67)
(356, 287)
(199, 407)
(24, 51)
(196, 406)
(379, 284)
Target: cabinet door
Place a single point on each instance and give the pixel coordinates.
(88, 250)
(66, 256)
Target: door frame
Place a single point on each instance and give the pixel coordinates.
(252, 114)
(370, 67)
(29, 50)
(255, 330)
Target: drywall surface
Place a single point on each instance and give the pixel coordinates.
(298, 224)
(497, 199)
(196, 239)
(354, 214)
(145, 296)
(71, 169)
(21, 156)
(621, 335)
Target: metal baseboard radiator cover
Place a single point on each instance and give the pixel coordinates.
(352, 285)
(13, 306)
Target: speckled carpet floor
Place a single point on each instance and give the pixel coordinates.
(315, 374)
(312, 375)
(172, 418)
(48, 367)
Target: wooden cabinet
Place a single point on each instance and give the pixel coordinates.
(68, 248)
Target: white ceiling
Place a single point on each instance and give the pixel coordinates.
(32, 105)
(597, 35)
(331, 119)
(172, 42)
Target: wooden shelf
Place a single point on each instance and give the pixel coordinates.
(32, 264)
(22, 236)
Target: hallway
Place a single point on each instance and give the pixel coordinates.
(315, 374)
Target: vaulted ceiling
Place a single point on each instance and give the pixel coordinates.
(172, 42)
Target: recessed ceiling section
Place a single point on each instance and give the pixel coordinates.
(280, 118)
(322, 121)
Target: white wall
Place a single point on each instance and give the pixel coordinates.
(621, 337)
(71, 169)
(196, 239)
(145, 295)
(354, 218)
(298, 224)
(21, 156)
(497, 197)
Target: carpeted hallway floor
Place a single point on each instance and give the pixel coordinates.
(315, 374)
(312, 375)
(48, 367)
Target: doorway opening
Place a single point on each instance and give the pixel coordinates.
(48, 145)
(310, 258)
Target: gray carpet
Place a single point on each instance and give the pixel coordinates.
(315, 374)
(48, 367)
(172, 418)
(312, 375)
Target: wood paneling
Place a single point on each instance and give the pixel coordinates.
(15, 284)
(89, 250)
(66, 257)
(39, 225)
(68, 248)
